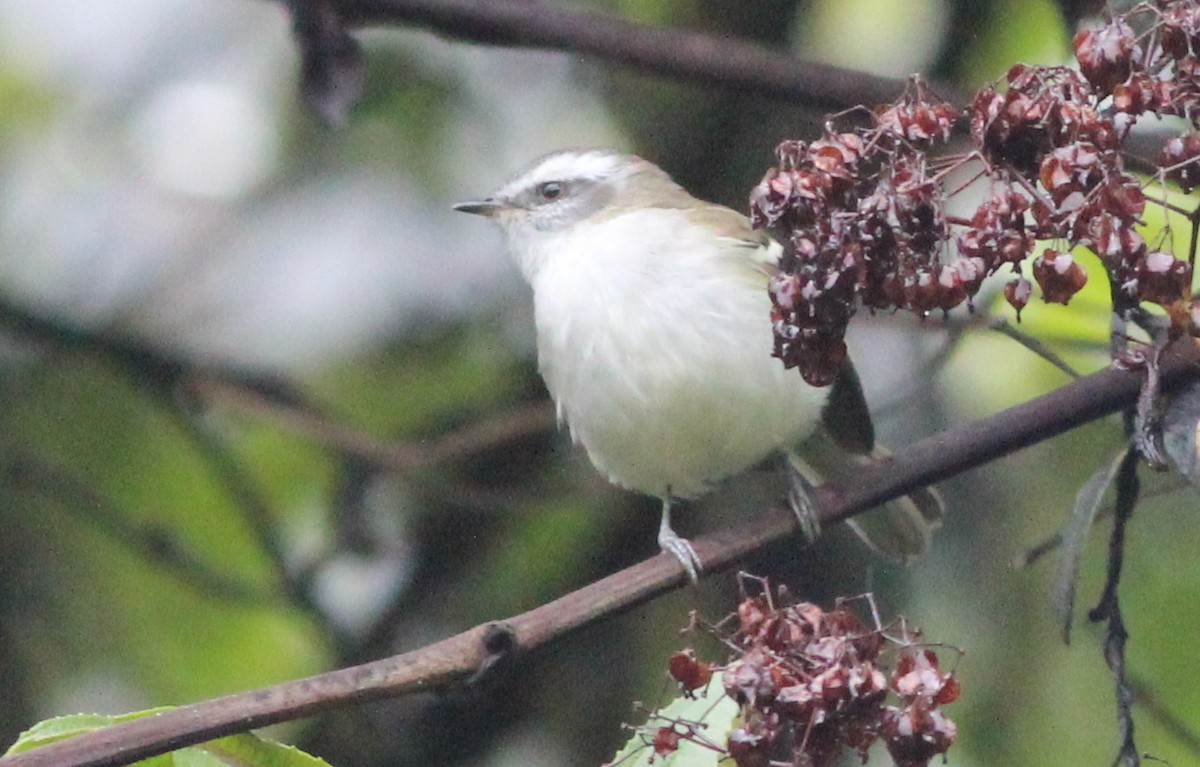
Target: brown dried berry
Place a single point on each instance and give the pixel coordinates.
(1179, 32)
(755, 678)
(1106, 55)
(666, 741)
(1059, 276)
(1164, 279)
(949, 692)
(1070, 169)
(749, 749)
(1017, 293)
(1114, 239)
(1140, 93)
(918, 122)
(753, 613)
(690, 673)
(1180, 158)
(916, 734)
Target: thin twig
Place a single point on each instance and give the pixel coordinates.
(1002, 326)
(249, 501)
(1109, 608)
(404, 457)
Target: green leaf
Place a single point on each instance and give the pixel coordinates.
(1074, 536)
(714, 712)
(243, 750)
(1181, 433)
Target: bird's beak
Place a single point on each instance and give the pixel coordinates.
(489, 207)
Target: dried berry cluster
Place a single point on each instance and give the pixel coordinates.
(811, 684)
(862, 213)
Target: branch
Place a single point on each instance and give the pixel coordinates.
(1109, 608)
(404, 457)
(693, 56)
(466, 656)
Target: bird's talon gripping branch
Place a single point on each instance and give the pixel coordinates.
(800, 499)
(678, 546)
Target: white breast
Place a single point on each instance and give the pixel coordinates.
(657, 350)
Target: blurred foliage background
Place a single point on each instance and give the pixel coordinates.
(168, 537)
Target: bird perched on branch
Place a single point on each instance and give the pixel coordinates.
(654, 338)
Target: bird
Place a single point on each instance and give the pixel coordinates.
(654, 339)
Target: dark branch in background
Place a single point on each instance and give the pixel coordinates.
(454, 661)
(257, 512)
(331, 61)
(419, 463)
(1109, 607)
(686, 55)
(401, 457)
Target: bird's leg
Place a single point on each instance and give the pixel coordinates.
(671, 542)
(800, 498)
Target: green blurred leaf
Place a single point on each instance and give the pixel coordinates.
(243, 750)
(714, 712)
(1074, 537)
(1028, 31)
(1181, 433)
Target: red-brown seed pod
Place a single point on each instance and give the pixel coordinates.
(837, 152)
(916, 734)
(666, 741)
(918, 122)
(1164, 279)
(749, 749)
(916, 674)
(1121, 195)
(1114, 239)
(1059, 276)
(1185, 91)
(753, 613)
(950, 691)
(1180, 158)
(1106, 55)
(1179, 29)
(1069, 169)
(690, 673)
(1140, 93)
(754, 678)
(1017, 293)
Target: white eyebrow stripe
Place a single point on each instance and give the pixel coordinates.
(590, 165)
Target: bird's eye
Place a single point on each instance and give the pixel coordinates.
(549, 191)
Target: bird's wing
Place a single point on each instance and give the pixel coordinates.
(759, 250)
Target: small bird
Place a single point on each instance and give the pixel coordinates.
(654, 339)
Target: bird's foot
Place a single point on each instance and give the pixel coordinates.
(800, 498)
(682, 550)
(678, 546)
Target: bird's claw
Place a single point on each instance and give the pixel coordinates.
(800, 500)
(680, 548)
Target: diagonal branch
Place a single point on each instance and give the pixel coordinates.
(722, 62)
(462, 658)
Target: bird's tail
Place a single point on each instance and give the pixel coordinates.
(899, 529)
